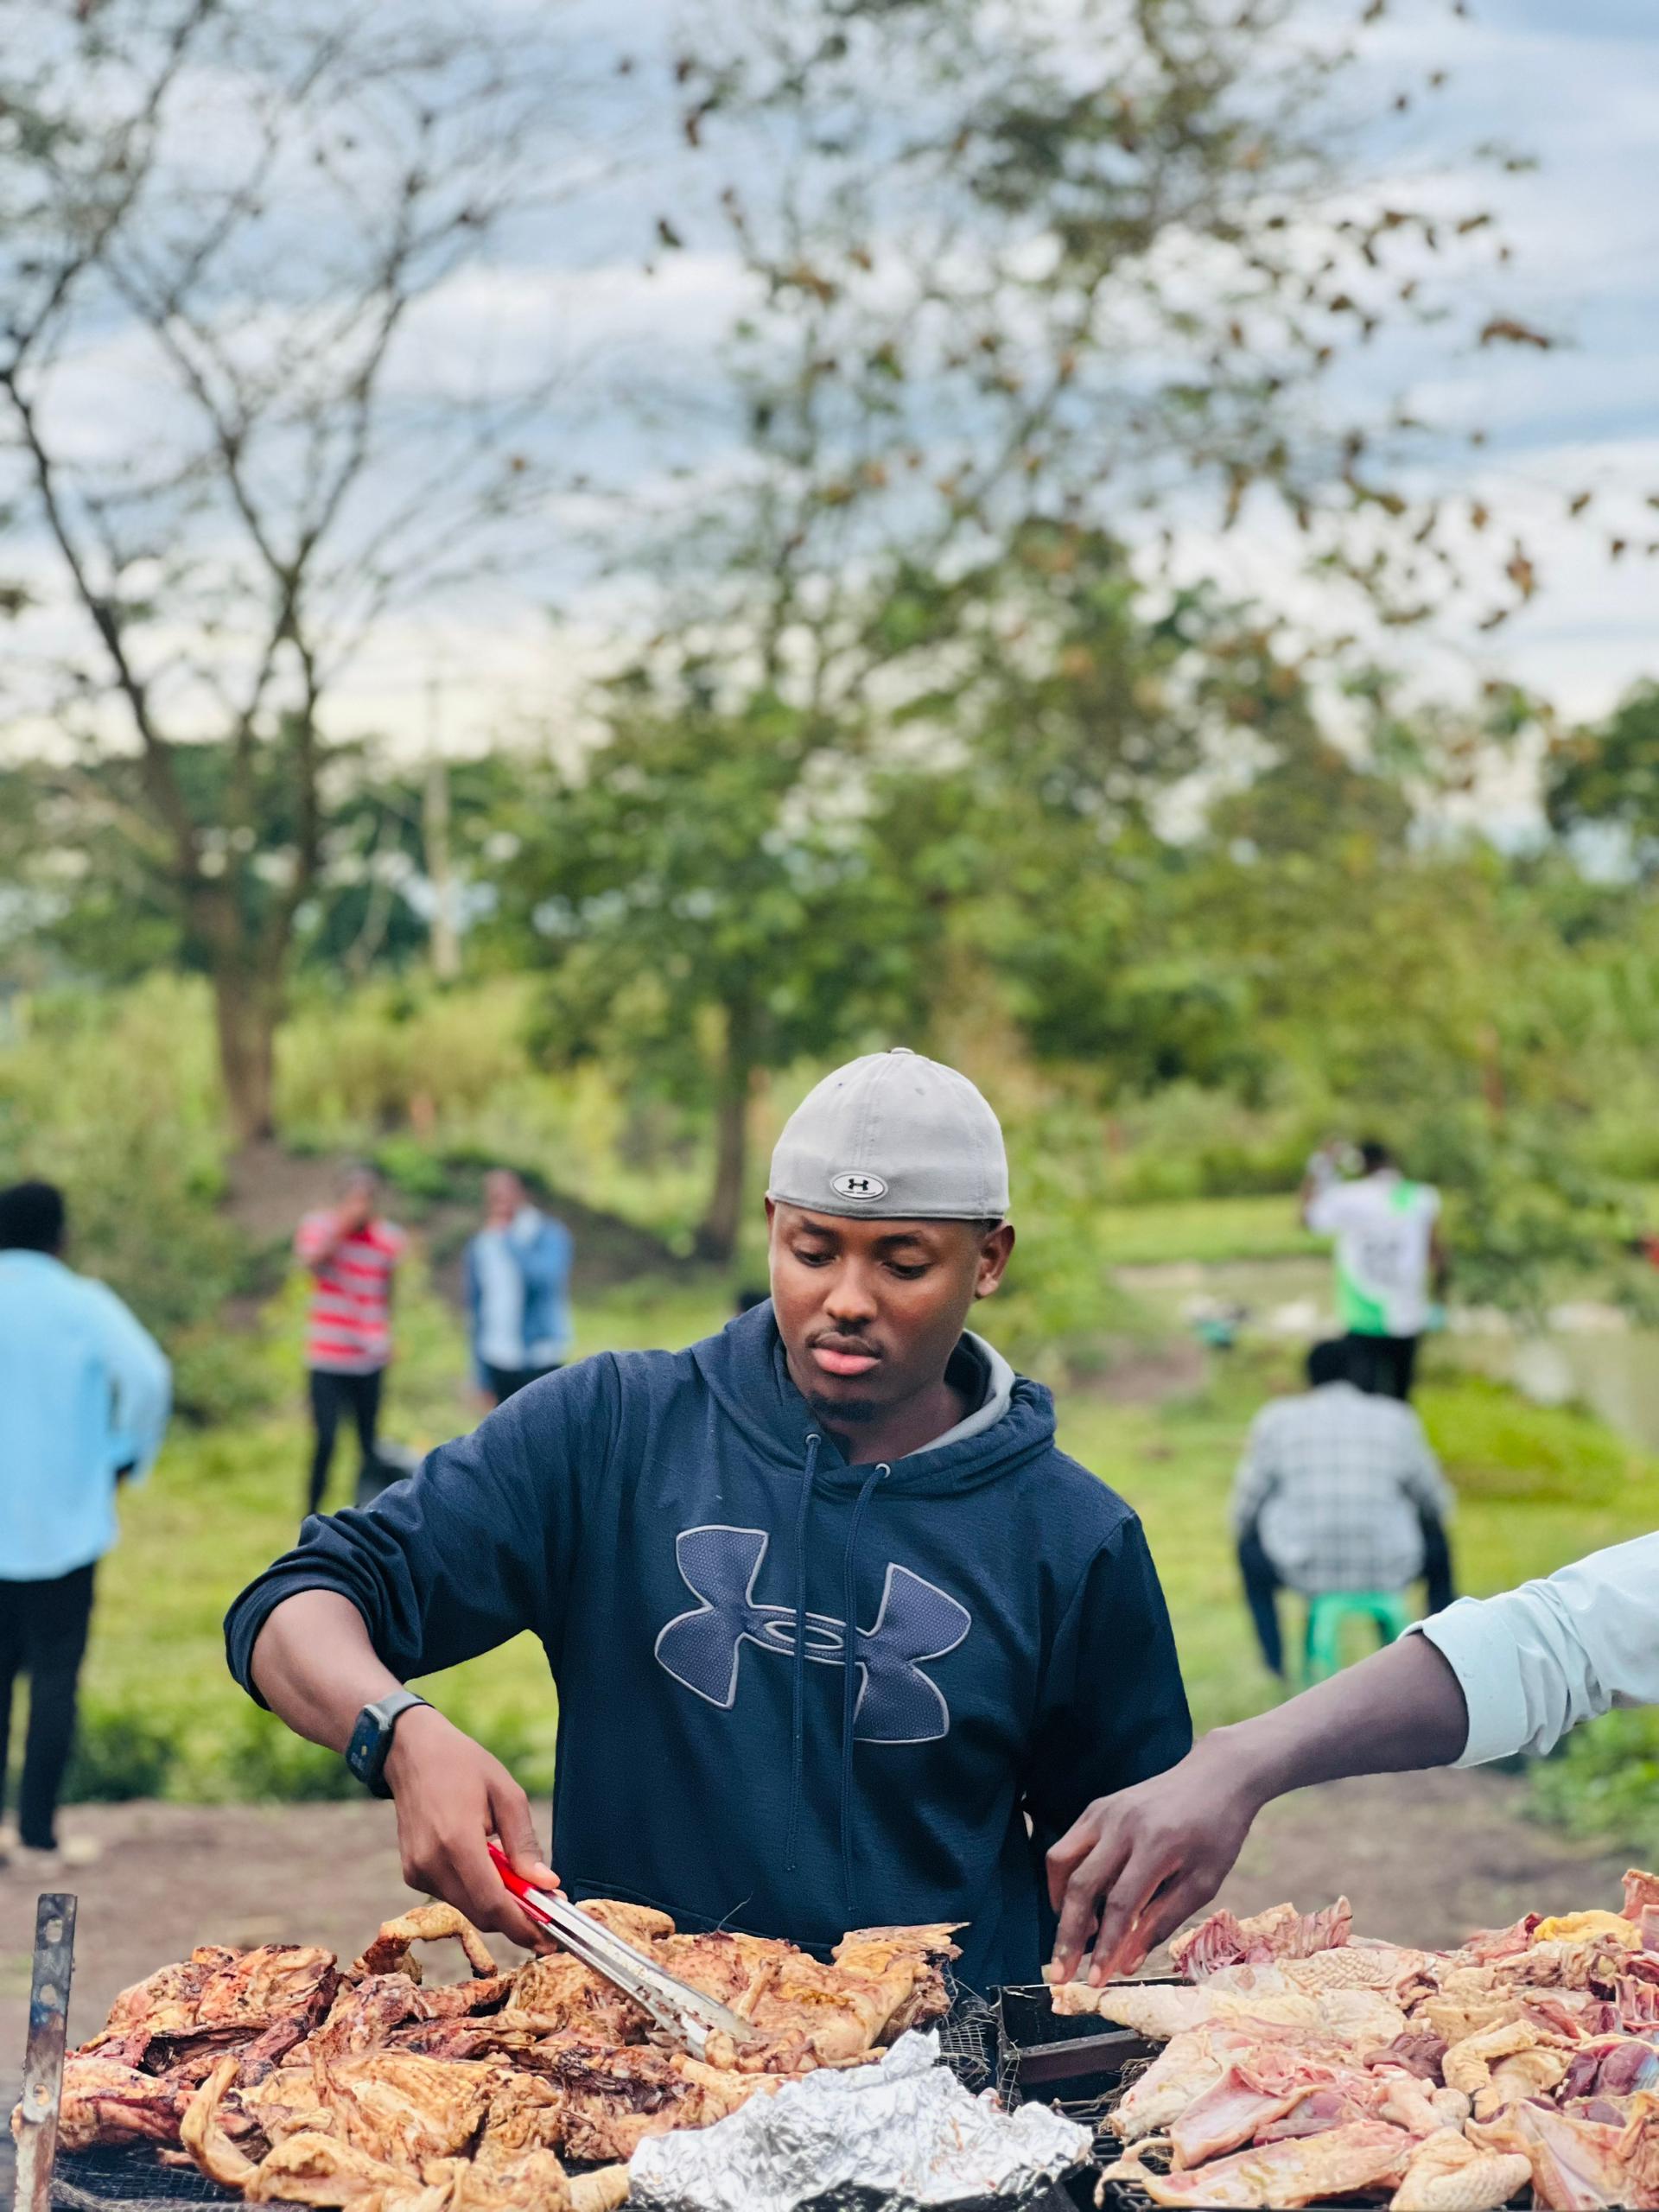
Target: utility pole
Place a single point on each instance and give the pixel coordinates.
(434, 836)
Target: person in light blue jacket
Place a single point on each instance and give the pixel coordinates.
(518, 1281)
(85, 1392)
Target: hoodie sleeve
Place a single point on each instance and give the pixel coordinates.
(1114, 1705)
(475, 1547)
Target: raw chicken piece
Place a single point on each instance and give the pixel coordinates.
(1281, 1932)
(1448, 2173)
(1369, 2154)
(1389, 1968)
(1468, 2065)
(1488, 1945)
(1524, 2074)
(1412, 2104)
(1575, 2163)
(1358, 2017)
(1265, 2085)
(1160, 2011)
(1190, 2064)
(1241, 1997)
(1419, 2051)
(1641, 1890)
(1575, 1927)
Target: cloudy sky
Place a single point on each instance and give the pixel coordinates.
(1574, 83)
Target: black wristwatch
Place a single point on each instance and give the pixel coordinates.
(370, 1745)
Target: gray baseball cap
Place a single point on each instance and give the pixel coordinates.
(896, 1137)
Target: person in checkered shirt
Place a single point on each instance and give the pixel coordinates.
(1337, 1490)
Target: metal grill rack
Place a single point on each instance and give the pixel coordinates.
(133, 2179)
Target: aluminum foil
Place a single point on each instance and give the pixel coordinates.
(898, 2135)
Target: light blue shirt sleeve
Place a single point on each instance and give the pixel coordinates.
(1537, 1661)
(141, 1384)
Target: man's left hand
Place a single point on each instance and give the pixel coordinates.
(1132, 1866)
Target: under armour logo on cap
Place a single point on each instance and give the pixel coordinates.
(916, 1620)
(849, 1186)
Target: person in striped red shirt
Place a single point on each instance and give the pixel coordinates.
(353, 1255)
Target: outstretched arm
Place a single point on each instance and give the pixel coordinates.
(314, 1665)
(1136, 1865)
(1484, 1679)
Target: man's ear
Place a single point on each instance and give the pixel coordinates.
(993, 1256)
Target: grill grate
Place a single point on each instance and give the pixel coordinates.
(132, 2178)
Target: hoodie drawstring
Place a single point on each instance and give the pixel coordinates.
(797, 1744)
(849, 1678)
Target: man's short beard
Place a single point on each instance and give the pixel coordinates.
(844, 1413)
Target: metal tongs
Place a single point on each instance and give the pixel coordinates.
(672, 2003)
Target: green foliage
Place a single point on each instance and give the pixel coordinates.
(1608, 778)
(120, 1751)
(1604, 1784)
(1525, 1214)
(113, 1097)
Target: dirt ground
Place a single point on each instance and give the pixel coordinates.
(1424, 1857)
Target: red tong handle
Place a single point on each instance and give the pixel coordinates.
(527, 1894)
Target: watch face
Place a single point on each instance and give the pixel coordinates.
(362, 1752)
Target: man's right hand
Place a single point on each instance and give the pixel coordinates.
(1132, 1866)
(451, 1796)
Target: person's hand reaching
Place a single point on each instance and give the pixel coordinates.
(451, 1795)
(1132, 1866)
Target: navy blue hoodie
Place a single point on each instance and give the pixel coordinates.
(690, 1545)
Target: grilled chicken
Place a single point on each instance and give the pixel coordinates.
(284, 2079)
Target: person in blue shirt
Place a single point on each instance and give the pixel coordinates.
(518, 1280)
(85, 1393)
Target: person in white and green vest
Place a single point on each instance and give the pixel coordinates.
(1391, 1264)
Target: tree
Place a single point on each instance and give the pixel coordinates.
(1606, 779)
(1102, 262)
(704, 898)
(227, 465)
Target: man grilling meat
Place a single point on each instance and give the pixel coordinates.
(839, 1635)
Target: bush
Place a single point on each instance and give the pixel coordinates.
(119, 1753)
(264, 1762)
(1605, 1783)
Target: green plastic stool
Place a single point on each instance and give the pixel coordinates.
(1322, 1655)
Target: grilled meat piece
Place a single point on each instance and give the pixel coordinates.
(607, 2101)
(558, 1992)
(105, 2101)
(365, 2013)
(392, 1950)
(218, 1996)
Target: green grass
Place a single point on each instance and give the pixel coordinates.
(1206, 1228)
(1537, 1487)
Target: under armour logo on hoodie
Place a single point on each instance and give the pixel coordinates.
(897, 1702)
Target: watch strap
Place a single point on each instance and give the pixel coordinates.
(370, 1743)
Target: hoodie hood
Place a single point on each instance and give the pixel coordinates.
(746, 1371)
